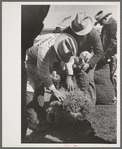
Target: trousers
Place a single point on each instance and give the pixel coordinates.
(32, 105)
(113, 72)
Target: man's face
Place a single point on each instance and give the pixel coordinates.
(103, 22)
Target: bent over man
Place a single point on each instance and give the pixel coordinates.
(47, 50)
(88, 39)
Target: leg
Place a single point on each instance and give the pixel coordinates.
(31, 104)
(34, 110)
(35, 104)
(39, 101)
(113, 72)
(31, 114)
(114, 78)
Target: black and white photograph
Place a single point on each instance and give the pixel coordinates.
(61, 74)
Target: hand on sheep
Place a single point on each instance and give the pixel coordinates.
(60, 96)
(85, 66)
(69, 83)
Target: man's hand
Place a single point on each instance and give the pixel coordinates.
(59, 95)
(40, 100)
(69, 83)
(85, 66)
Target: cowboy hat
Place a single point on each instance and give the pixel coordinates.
(65, 46)
(100, 15)
(81, 24)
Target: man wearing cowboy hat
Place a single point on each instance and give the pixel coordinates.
(47, 50)
(109, 41)
(87, 38)
(108, 33)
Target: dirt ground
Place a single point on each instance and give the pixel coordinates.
(104, 124)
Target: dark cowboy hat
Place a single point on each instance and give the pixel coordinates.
(100, 15)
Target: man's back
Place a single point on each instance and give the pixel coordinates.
(45, 41)
(109, 33)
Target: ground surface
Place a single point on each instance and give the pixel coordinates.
(104, 124)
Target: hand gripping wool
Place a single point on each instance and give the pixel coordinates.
(76, 107)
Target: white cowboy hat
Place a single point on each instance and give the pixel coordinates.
(65, 46)
(100, 15)
(81, 24)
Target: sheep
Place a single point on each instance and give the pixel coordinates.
(78, 105)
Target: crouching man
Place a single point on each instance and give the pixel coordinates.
(47, 50)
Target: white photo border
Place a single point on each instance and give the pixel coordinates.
(11, 75)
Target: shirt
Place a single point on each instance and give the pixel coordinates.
(43, 55)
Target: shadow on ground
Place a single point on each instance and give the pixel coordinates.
(103, 125)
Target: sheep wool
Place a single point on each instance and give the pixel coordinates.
(77, 106)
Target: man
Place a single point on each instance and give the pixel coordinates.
(47, 50)
(32, 24)
(109, 41)
(88, 39)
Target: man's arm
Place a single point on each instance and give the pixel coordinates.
(68, 66)
(112, 36)
(43, 67)
(69, 73)
(43, 63)
(97, 47)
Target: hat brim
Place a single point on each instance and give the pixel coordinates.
(84, 31)
(102, 18)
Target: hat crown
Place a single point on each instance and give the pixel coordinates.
(99, 15)
(81, 24)
(65, 46)
(81, 20)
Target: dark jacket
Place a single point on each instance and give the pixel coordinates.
(88, 42)
(109, 38)
(32, 24)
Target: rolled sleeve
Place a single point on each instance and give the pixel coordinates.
(68, 66)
